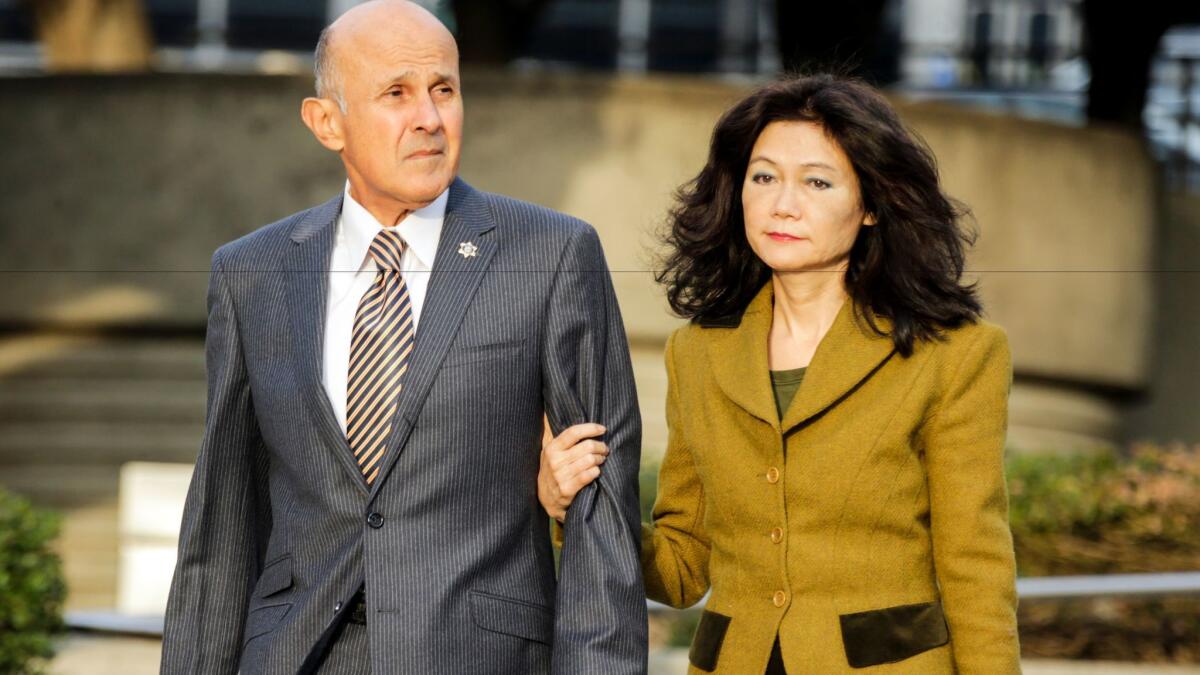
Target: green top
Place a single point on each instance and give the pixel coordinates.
(786, 383)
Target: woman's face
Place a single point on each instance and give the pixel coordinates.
(801, 200)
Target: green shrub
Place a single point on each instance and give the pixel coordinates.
(1106, 515)
(31, 586)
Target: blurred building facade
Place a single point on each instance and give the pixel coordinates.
(119, 188)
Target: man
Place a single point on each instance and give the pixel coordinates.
(365, 496)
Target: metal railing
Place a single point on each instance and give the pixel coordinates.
(1028, 588)
(1159, 584)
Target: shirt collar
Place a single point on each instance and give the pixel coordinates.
(421, 229)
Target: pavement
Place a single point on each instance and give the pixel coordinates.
(102, 654)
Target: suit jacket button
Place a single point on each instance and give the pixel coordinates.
(338, 607)
(772, 475)
(779, 598)
(375, 520)
(776, 535)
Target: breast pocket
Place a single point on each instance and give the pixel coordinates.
(476, 354)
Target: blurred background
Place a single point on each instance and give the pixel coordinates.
(138, 135)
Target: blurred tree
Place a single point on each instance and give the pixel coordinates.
(848, 37)
(494, 32)
(93, 35)
(1120, 43)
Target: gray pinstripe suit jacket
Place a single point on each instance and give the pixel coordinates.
(459, 573)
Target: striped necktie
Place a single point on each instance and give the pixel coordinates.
(379, 349)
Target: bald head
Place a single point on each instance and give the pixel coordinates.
(389, 103)
(375, 25)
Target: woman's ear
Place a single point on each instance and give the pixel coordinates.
(869, 220)
(324, 118)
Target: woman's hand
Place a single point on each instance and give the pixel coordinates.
(568, 464)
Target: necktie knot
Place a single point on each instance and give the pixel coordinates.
(386, 249)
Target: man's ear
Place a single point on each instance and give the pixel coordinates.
(324, 118)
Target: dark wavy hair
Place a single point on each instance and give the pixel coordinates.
(907, 268)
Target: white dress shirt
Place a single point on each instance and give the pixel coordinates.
(352, 271)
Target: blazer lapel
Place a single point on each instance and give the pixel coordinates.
(738, 357)
(452, 283)
(307, 269)
(848, 354)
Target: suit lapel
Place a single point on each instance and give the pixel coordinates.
(848, 354)
(307, 271)
(452, 284)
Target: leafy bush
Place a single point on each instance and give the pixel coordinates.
(1105, 515)
(31, 586)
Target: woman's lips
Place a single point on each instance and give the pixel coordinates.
(783, 236)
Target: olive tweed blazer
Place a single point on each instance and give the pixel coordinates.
(868, 529)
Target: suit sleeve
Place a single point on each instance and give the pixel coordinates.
(675, 548)
(972, 543)
(600, 614)
(225, 514)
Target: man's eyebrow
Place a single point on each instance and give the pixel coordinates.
(410, 75)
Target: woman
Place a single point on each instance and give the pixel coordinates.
(836, 407)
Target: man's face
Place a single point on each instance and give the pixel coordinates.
(404, 114)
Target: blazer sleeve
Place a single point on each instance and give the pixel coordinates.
(225, 515)
(675, 548)
(972, 543)
(600, 613)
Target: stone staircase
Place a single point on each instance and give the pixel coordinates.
(73, 409)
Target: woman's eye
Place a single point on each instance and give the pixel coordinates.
(819, 184)
(762, 178)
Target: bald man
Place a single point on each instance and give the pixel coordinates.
(365, 495)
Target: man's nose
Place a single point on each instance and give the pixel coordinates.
(427, 118)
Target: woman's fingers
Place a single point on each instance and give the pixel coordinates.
(569, 463)
(574, 475)
(572, 435)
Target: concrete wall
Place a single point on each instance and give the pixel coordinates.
(116, 191)
(1167, 410)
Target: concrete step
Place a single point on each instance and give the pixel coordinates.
(114, 400)
(116, 442)
(89, 547)
(26, 356)
(65, 485)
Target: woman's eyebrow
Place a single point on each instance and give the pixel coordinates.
(808, 165)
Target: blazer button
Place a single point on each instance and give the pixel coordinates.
(772, 475)
(776, 535)
(375, 520)
(779, 598)
(338, 607)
